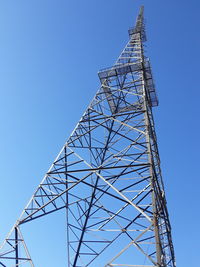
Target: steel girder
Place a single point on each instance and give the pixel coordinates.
(107, 176)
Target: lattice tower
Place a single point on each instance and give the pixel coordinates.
(107, 177)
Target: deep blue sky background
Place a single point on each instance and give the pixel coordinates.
(50, 53)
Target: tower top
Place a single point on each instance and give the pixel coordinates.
(139, 25)
(140, 18)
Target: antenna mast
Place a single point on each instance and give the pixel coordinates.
(107, 176)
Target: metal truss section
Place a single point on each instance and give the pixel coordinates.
(107, 176)
(12, 245)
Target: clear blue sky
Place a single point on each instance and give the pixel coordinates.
(50, 53)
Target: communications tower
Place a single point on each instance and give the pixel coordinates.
(107, 177)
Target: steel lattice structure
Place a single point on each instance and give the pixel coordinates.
(107, 176)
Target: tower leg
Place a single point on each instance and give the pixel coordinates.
(16, 248)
